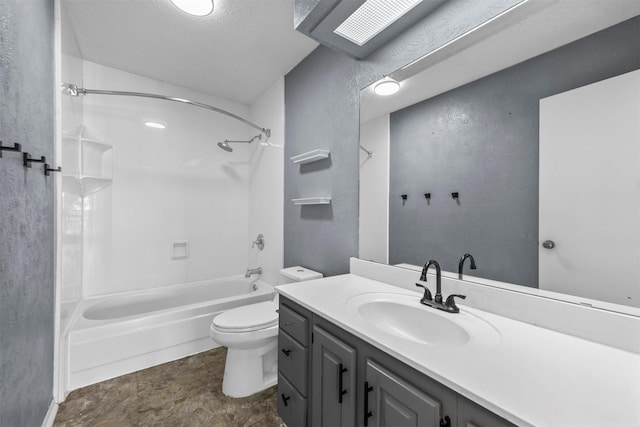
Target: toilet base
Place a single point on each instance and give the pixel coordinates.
(249, 371)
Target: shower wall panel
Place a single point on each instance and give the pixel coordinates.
(169, 186)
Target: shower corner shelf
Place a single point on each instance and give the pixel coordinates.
(311, 156)
(88, 164)
(312, 201)
(84, 185)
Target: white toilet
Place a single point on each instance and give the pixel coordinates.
(251, 335)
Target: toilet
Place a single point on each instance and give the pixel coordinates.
(250, 334)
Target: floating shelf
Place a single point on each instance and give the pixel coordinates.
(312, 201)
(311, 156)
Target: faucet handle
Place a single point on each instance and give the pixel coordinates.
(451, 303)
(427, 293)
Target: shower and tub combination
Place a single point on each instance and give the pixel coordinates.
(121, 331)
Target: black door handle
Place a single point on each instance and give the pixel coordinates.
(285, 398)
(367, 412)
(341, 391)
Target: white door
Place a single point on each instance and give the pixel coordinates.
(590, 191)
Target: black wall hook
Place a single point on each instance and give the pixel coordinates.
(455, 195)
(427, 196)
(404, 197)
(16, 147)
(48, 169)
(27, 160)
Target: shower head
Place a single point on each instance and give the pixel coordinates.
(225, 146)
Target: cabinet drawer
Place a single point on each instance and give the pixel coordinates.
(292, 361)
(292, 407)
(294, 324)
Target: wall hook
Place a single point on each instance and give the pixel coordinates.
(455, 195)
(427, 196)
(48, 169)
(16, 147)
(27, 160)
(404, 198)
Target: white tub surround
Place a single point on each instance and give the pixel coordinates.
(122, 333)
(531, 376)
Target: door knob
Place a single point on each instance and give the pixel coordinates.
(548, 244)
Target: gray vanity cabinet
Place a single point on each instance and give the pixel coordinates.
(333, 381)
(391, 401)
(328, 377)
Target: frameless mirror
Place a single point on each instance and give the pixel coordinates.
(520, 146)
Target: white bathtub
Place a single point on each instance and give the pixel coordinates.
(117, 334)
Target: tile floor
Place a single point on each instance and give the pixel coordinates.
(187, 392)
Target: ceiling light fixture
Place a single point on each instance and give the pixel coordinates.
(386, 86)
(195, 7)
(155, 125)
(373, 17)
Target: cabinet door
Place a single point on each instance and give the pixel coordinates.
(473, 415)
(390, 401)
(334, 376)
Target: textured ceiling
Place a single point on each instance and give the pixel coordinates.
(236, 53)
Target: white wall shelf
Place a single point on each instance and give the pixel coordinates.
(311, 156)
(312, 201)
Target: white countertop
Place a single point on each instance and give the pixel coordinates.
(532, 376)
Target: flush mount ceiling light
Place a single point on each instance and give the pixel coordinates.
(387, 86)
(155, 125)
(195, 7)
(373, 17)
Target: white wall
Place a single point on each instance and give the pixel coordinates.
(266, 184)
(374, 187)
(168, 185)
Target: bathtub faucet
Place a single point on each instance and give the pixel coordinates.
(253, 271)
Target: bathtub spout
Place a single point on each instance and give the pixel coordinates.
(251, 271)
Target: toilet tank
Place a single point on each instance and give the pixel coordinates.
(299, 274)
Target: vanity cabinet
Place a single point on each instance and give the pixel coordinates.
(344, 381)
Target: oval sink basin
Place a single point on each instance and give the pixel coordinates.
(404, 317)
(412, 323)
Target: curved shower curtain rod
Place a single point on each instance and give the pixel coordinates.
(74, 90)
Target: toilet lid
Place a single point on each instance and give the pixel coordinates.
(248, 318)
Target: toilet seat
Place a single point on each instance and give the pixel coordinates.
(249, 318)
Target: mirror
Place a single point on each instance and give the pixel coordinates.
(455, 166)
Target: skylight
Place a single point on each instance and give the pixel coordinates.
(373, 17)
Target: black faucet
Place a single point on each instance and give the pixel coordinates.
(436, 302)
(461, 264)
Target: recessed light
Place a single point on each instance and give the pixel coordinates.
(155, 125)
(195, 7)
(387, 86)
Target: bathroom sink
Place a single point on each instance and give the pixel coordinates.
(404, 317)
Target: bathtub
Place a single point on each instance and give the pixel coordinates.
(117, 334)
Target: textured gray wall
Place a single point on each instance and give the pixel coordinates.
(482, 140)
(26, 212)
(322, 111)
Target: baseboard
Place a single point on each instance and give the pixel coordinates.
(51, 415)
